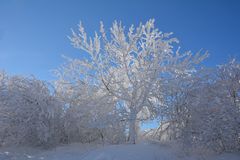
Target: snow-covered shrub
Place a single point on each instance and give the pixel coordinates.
(212, 121)
(92, 126)
(3, 100)
(204, 110)
(30, 113)
(89, 115)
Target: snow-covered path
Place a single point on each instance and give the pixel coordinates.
(130, 152)
(142, 151)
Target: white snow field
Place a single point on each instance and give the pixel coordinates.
(142, 151)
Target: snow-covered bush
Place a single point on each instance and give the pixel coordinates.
(89, 115)
(30, 114)
(204, 110)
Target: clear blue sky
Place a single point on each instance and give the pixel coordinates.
(33, 33)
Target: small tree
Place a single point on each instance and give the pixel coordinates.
(129, 66)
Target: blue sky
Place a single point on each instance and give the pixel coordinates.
(33, 34)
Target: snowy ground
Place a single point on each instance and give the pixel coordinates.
(142, 151)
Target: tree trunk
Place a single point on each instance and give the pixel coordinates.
(132, 128)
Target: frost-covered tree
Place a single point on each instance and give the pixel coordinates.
(30, 114)
(129, 65)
